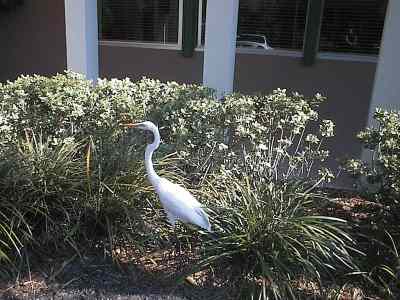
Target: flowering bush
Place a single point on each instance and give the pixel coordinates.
(205, 132)
(382, 172)
(276, 130)
(64, 106)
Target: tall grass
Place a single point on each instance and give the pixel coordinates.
(9, 240)
(76, 195)
(269, 237)
(385, 277)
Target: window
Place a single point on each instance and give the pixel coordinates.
(152, 21)
(353, 26)
(279, 23)
(269, 23)
(349, 26)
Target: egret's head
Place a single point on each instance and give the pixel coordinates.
(147, 125)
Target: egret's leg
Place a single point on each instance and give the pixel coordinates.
(172, 220)
(177, 244)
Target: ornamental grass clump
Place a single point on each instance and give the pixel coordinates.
(76, 195)
(386, 276)
(270, 240)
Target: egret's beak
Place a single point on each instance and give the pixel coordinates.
(131, 125)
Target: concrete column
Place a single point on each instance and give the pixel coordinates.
(386, 91)
(82, 37)
(220, 45)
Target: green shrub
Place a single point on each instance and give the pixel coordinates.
(65, 105)
(202, 130)
(380, 175)
(208, 133)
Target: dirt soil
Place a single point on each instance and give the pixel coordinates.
(131, 276)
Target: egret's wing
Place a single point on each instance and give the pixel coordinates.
(205, 221)
(172, 192)
(181, 204)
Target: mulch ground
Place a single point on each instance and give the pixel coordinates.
(130, 276)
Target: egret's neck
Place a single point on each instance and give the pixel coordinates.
(153, 177)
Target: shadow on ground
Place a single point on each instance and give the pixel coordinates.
(153, 276)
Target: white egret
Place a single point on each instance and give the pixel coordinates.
(178, 203)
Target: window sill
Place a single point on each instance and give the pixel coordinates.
(299, 54)
(277, 52)
(140, 45)
(241, 50)
(348, 57)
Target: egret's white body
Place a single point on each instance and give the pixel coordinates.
(177, 202)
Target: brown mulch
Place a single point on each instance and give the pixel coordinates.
(351, 209)
(131, 275)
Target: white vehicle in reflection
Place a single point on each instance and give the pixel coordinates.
(253, 41)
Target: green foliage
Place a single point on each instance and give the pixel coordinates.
(380, 175)
(378, 178)
(386, 276)
(9, 240)
(267, 233)
(64, 106)
(45, 182)
(208, 133)
(72, 177)
(202, 130)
